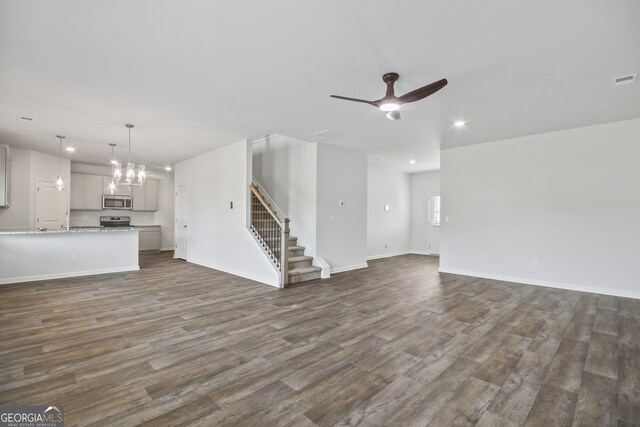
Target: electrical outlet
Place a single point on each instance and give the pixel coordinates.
(535, 262)
(342, 251)
(74, 255)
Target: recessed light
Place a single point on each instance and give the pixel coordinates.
(167, 168)
(114, 162)
(460, 123)
(70, 149)
(412, 162)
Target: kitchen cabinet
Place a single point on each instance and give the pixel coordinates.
(148, 238)
(86, 192)
(145, 197)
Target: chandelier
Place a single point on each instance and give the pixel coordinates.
(132, 175)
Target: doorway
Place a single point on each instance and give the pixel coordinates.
(182, 215)
(434, 223)
(51, 205)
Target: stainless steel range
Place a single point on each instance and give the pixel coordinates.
(115, 221)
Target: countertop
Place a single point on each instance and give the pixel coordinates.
(71, 231)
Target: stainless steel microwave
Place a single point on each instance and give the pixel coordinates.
(116, 202)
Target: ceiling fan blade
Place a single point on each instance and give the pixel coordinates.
(355, 100)
(423, 92)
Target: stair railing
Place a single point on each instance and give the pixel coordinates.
(271, 232)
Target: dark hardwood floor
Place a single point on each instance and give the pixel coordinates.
(394, 344)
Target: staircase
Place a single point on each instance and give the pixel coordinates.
(272, 233)
(301, 267)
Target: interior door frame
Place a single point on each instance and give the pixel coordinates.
(63, 213)
(430, 194)
(177, 215)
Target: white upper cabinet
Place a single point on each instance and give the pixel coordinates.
(86, 192)
(145, 197)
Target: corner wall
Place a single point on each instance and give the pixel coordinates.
(342, 230)
(422, 183)
(286, 168)
(560, 209)
(218, 236)
(26, 168)
(388, 232)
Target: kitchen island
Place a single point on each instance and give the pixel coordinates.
(29, 255)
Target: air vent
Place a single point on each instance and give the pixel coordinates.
(625, 80)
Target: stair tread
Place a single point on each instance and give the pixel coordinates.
(296, 248)
(304, 270)
(300, 258)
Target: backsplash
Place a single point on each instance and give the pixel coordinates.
(92, 218)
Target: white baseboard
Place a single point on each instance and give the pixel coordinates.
(349, 268)
(52, 276)
(170, 248)
(423, 253)
(535, 282)
(387, 255)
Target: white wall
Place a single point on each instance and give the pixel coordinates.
(19, 213)
(342, 231)
(218, 236)
(388, 232)
(422, 183)
(286, 169)
(164, 216)
(26, 168)
(570, 199)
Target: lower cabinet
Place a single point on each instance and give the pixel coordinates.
(148, 238)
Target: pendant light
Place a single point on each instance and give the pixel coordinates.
(60, 181)
(132, 175)
(116, 171)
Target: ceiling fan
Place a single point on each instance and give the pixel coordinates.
(391, 103)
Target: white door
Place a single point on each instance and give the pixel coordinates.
(182, 213)
(51, 205)
(434, 223)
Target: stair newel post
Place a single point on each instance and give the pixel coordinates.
(284, 253)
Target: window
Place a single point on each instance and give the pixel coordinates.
(435, 209)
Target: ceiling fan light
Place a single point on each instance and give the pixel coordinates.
(393, 115)
(389, 106)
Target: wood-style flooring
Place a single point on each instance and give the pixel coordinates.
(394, 344)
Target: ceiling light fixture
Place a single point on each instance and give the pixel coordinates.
(60, 181)
(133, 175)
(394, 115)
(116, 170)
(70, 149)
(389, 106)
(167, 168)
(460, 123)
(412, 162)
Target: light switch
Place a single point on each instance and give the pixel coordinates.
(386, 207)
(446, 219)
(340, 203)
(332, 218)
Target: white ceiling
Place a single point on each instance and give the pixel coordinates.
(195, 75)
